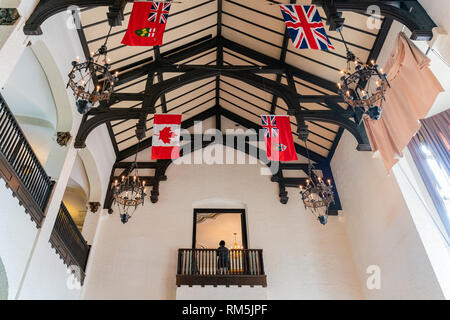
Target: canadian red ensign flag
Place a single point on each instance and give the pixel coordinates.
(166, 136)
(278, 135)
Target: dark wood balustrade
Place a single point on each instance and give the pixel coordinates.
(203, 267)
(20, 167)
(69, 243)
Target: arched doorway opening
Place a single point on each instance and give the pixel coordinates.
(83, 194)
(30, 99)
(77, 192)
(36, 95)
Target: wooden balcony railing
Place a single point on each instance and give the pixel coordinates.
(206, 267)
(69, 243)
(20, 167)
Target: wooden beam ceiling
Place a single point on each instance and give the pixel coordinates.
(165, 62)
(265, 72)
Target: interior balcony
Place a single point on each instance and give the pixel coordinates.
(203, 267)
(20, 167)
(70, 244)
(29, 182)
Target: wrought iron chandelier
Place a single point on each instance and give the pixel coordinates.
(83, 79)
(316, 195)
(129, 193)
(363, 85)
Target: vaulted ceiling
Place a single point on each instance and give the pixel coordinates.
(228, 62)
(252, 34)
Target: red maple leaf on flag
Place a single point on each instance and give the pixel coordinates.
(166, 135)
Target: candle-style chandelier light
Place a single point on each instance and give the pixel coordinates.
(316, 195)
(363, 85)
(91, 81)
(129, 192)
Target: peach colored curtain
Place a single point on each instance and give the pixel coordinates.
(414, 88)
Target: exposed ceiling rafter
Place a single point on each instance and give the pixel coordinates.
(409, 13)
(229, 141)
(228, 18)
(102, 115)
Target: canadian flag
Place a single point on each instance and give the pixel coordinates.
(166, 136)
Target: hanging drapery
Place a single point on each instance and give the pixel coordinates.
(414, 88)
(435, 136)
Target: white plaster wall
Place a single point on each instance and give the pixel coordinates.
(17, 236)
(45, 274)
(303, 259)
(51, 281)
(101, 149)
(221, 293)
(102, 157)
(380, 228)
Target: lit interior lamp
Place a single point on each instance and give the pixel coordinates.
(235, 246)
(129, 193)
(357, 85)
(89, 91)
(317, 195)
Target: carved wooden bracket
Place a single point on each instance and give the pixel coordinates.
(63, 138)
(8, 16)
(93, 206)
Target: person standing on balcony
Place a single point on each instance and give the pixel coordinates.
(223, 255)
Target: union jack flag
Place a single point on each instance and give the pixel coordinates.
(159, 12)
(305, 27)
(269, 123)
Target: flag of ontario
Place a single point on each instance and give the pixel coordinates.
(147, 23)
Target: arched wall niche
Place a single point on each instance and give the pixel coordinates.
(95, 185)
(79, 177)
(30, 98)
(85, 176)
(75, 200)
(56, 83)
(36, 94)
